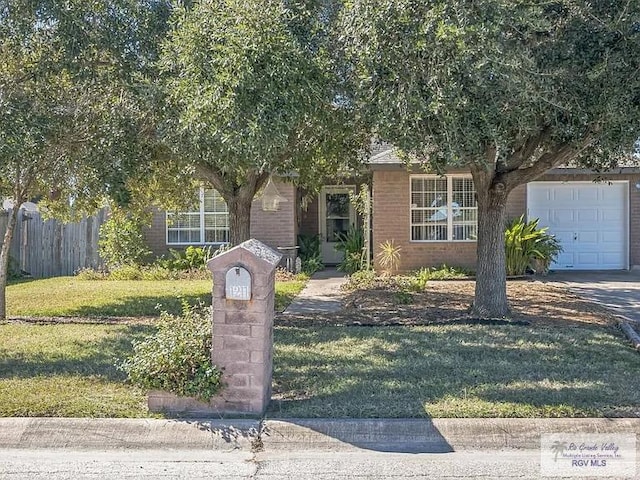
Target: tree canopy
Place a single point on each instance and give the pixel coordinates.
(251, 92)
(507, 89)
(72, 113)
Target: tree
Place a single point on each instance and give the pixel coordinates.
(72, 119)
(251, 92)
(505, 88)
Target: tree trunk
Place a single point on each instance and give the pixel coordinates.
(491, 281)
(239, 218)
(4, 258)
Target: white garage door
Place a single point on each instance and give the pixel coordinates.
(590, 220)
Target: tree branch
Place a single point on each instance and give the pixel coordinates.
(561, 154)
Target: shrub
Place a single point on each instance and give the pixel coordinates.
(525, 244)
(445, 272)
(177, 358)
(388, 257)
(361, 279)
(126, 272)
(352, 245)
(418, 280)
(310, 254)
(188, 259)
(121, 241)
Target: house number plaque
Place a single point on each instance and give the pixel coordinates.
(238, 284)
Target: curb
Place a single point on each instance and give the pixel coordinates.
(388, 435)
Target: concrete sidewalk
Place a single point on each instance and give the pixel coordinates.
(383, 435)
(322, 294)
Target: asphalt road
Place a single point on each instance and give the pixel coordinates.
(300, 465)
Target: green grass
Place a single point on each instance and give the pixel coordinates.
(67, 370)
(454, 371)
(72, 297)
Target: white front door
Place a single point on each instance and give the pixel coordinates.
(336, 215)
(589, 219)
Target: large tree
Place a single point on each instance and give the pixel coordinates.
(505, 88)
(72, 105)
(252, 92)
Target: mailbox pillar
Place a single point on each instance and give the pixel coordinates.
(243, 311)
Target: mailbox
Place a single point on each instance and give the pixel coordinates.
(238, 284)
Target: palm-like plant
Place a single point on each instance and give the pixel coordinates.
(526, 245)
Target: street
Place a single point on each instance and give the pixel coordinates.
(300, 465)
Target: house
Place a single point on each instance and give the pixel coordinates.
(326, 214)
(433, 219)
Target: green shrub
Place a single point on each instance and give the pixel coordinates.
(310, 254)
(121, 241)
(188, 259)
(177, 358)
(445, 272)
(126, 272)
(418, 280)
(526, 244)
(362, 279)
(352, 245)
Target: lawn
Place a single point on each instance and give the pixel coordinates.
(457, 370)
(327, 367)
(73, 297)
(68, 370)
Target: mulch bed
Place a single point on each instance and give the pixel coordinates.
(533, 302)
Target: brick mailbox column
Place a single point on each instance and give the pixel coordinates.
(243, 310)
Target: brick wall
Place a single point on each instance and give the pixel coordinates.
(391, 221)
(273, 228)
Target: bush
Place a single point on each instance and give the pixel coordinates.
(445, 272)
(352, 244)
(91, 274)
(526, 244)
(188, 259)
(177, 358)
(362, 279)
(418, 280)
(121, 241)
(310, 254)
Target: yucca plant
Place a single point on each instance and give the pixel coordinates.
(526, 244)
(389, 257)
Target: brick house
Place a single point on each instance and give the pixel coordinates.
(325, 214)
(433, 218)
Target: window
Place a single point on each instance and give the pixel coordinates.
(208, 224)
(443, 208)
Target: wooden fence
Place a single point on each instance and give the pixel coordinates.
(49, 248)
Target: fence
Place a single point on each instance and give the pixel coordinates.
(49, 248)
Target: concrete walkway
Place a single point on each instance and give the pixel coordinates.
(322, 294)
(616, 290)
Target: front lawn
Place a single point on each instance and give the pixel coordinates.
(68, 370)
(563, 358)
(456, 370)
(73, 297)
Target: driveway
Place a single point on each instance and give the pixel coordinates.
(616, 290)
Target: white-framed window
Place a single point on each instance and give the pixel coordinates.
(443, 209)
(209, 224)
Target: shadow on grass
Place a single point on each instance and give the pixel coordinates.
(454, 371)
(151, 306)
(83, 358)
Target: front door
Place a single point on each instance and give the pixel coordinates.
(336, 216)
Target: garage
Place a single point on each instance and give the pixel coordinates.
(589, 219)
